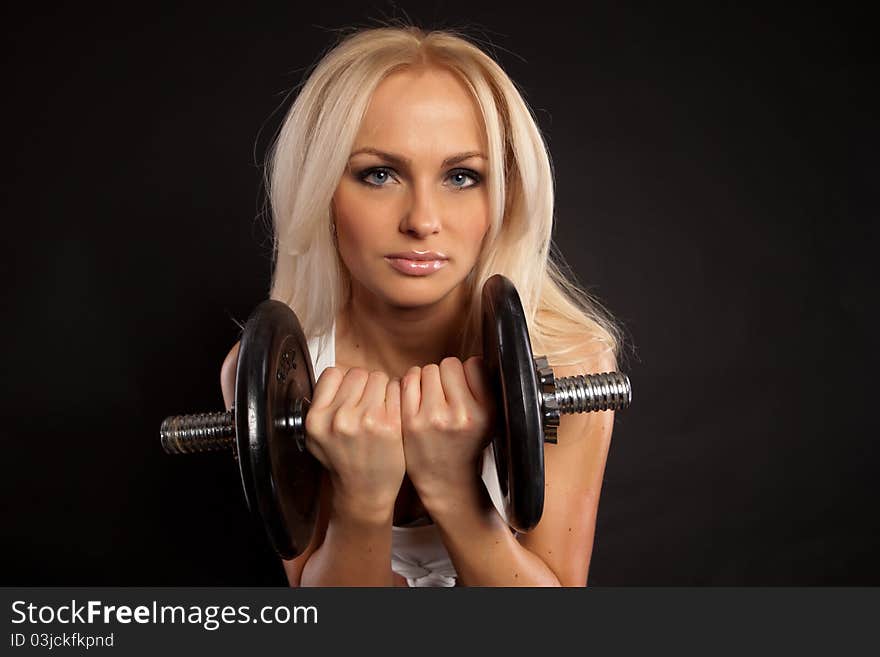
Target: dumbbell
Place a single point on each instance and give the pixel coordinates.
(275, 381)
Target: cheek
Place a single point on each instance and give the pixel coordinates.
(476, 223)
(356, 217)
(355, 242)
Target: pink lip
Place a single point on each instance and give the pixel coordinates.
(416, 267)
(418, 255)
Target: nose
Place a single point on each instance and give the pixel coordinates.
(422, 216)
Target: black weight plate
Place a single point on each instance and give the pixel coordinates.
(510, 366)
(281, 481)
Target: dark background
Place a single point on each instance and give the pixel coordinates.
(716, 182)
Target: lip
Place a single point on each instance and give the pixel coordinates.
(418, 255)
(412, 267)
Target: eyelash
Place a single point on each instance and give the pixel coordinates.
(473, 175)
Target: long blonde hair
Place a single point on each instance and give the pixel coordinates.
(310, 154)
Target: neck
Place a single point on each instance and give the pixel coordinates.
(378, 336)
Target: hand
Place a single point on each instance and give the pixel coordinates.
(353, 428)
(446, 416)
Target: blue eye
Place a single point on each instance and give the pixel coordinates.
(459, 178)
(376, 177)
(380, 176)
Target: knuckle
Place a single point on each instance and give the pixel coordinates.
(378, 376)
(369, 422)
(331, 373)
(313, 424)
(473, 366)
(342, 424)
(438, 422)
(389, 429)
(330, 378)
(462, 422)
(357, 374)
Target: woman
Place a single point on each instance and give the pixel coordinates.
(407, 172)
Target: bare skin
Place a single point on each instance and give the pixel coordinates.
(416, 180)
(395, 321)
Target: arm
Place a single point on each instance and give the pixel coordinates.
(343, 552)
(348, 547)
(356, 551)
(557, 552)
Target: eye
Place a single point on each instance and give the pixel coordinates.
(459, 178)
(380, 176)
(376, 177)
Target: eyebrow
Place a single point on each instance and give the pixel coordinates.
(400, 160)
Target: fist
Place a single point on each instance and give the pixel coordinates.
(353, 428)
(446, 415)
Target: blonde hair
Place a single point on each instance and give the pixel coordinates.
(310, 154)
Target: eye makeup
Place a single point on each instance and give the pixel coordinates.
(378, 176)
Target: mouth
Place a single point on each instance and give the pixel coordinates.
(413, 266)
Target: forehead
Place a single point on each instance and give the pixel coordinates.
(417, 109)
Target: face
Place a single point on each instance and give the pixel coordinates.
(416, 181)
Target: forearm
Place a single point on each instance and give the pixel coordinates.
(355, 552)
(481, 545)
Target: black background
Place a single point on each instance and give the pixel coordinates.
(716, 180)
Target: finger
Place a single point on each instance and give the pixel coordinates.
(477, 380)
(410, 392)
(432, 388)
(454, 383)
(326, 387)
(374, 391)
(352, 388)
(392, 398)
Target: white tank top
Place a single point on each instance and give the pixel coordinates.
(417, 552)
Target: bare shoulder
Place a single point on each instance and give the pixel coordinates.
(574, 469)
(596, 357)
(592, 356)
(227, 375)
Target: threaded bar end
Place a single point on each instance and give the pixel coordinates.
(593, 392)
(202, 432)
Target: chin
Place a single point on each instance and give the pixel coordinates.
(399, 300)
(414, 293)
